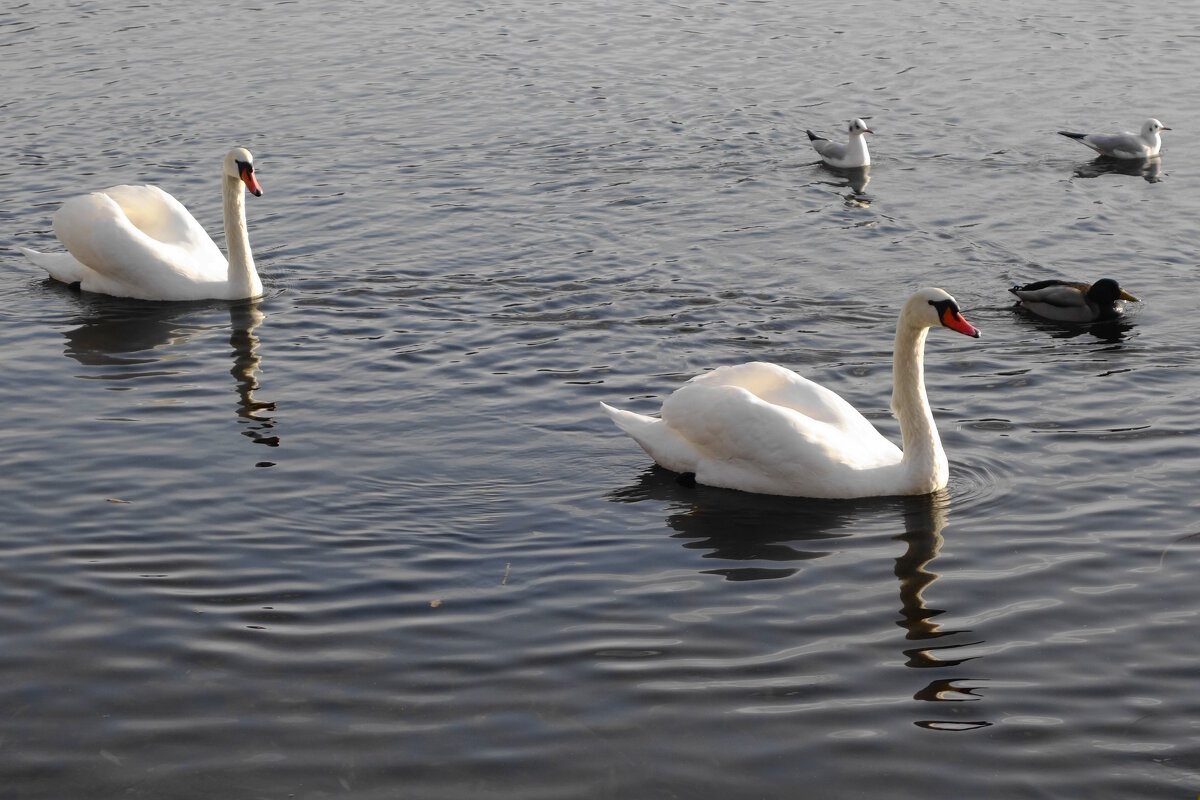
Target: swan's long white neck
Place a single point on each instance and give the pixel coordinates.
(923, 453)
(243, 277)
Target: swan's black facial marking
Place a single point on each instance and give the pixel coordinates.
(246, 173)
(952, 318)
(943, 306)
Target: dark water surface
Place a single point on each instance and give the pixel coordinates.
(371, 536)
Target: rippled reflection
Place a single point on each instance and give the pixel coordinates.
(855, 179)
(1150, 169)
(924, 519)
(243, 319)
(778, 534)
(115, 332)
(130, 337)
(1109, 331)
(744, 528)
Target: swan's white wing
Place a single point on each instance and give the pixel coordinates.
(163, 218)
(61, 266)
(748, 443)
(659, 440)
(780, 386)
(139, 242)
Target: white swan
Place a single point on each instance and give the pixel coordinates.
(140, 242)
(762, 428)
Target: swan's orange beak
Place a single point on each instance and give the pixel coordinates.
(246, 173)
(953, 319)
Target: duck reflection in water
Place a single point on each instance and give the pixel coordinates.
(787, 531)
(129, 338)
(1114, 331)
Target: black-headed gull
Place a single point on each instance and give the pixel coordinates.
(1067, 301)
(1124, 145)
(851, 154)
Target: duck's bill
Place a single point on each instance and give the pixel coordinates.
(1127, 296)
(955, 321)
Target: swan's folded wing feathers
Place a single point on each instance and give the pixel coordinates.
(729, 423)
(96, 229)
(659, 440)
(781, 386)
(163, 218)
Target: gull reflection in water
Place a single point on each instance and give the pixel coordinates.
(129, 338)
(1148, 168)
(855, 179)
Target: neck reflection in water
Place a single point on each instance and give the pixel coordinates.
(131, 340)
(785, 532)
(260, 427)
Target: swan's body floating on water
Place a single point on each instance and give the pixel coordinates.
(140, 242)
(1144, 144)
(762, 428)
(1067, 301)
(851, 154)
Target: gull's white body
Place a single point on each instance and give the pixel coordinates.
(1144, 144)
(140, 242)
(762, 428)
(845, 156)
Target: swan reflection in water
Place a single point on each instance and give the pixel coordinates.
(781, 533)
(1150, 168)
(129, 337)
(243, 319)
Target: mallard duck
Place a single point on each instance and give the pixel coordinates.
(1068, 301)
(762, 428)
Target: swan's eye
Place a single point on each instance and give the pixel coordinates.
(245, 166)
(945, 306)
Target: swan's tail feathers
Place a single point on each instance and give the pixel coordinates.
(61, 266)
(659, 440)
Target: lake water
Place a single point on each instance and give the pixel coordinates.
(372, 537)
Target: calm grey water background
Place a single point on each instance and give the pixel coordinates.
(370, 537)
